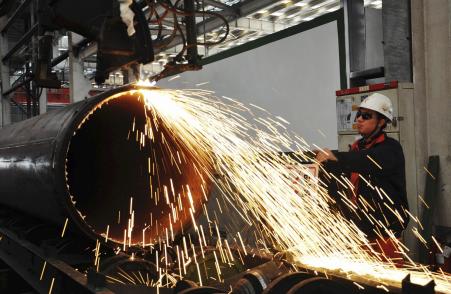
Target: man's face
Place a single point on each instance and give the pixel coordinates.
(367, 121)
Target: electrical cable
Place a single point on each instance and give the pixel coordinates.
(169, 39)
(226, 23)
(177, 11)
(182, 12)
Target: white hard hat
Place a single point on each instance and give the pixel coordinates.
(379, 103)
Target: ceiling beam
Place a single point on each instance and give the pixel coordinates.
(243, 9)
(16, 13)
(225, 8)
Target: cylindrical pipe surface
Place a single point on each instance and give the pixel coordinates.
(87, 163)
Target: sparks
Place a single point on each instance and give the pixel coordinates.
(64, 227)
(261, 185)
(301, 224)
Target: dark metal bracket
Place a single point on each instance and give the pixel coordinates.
(410, 288)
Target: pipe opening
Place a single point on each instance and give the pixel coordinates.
(125, 188)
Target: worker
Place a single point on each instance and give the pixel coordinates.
(376, 169)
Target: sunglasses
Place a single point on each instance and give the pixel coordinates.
(364, 115)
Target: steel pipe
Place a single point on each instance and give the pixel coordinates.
(75, 165)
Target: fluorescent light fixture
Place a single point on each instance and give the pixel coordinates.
(319, 3)
(332, 9)
(291, 16)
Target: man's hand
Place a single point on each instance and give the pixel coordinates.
(325, 155)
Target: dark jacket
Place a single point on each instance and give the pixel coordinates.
(383, 167)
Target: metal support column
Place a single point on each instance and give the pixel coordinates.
(5, 107)
(43, 101)
(34, 41)
(355, 29)
(191, 32)
(397, 40)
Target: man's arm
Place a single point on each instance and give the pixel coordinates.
(381, 159)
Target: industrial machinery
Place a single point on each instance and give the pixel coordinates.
(119, 34)
(75, 215)
(121, 30)
(72, 180)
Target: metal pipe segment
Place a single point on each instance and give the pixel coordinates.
(76, 165)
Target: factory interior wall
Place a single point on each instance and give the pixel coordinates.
(294, 77)
(431, 43)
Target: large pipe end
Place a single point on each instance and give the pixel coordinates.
(126, 186)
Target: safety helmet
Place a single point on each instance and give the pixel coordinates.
(379, 103)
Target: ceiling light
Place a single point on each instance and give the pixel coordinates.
(314, 4)
(334, 8)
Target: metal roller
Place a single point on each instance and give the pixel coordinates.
(79, 165)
